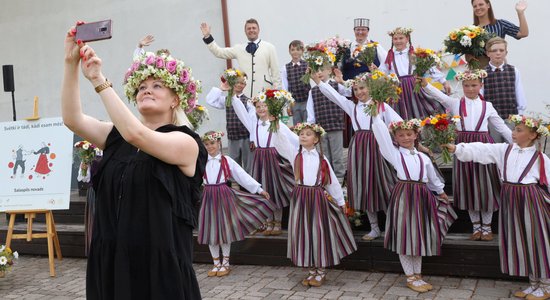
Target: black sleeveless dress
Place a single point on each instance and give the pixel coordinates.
(142, 243)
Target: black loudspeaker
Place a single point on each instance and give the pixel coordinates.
(9, 85)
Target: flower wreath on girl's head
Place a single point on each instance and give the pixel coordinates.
(531, 123)
(173, 73)
(412, 124)
(212, 136)
(315, 127)
(401, 30)
(471, 75)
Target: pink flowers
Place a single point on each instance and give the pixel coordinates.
(184, 77)
(192, 88)
(150, 60)
(171, 66)
(160, 62)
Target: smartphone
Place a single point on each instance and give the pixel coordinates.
(95, 31)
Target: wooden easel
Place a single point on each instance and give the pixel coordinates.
(51, 233)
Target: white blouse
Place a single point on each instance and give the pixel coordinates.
(250, 120)
(310, 166)
(237, 172)
(402, 62)
(494, 153)
(473, 110)
(393, 155)
(364, 119)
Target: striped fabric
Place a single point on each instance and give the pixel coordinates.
(228, 215)
(274, 173)
(524, 226)
(475, 186)
(319, 233)
(502, 28)
(415, 105)
(294, 73)
(500, 89)
(370, 178)
(417, 221)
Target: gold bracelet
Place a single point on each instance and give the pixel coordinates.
(101, 87)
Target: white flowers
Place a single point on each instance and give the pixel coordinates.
(3, 260)
(466, 41)
(15, 255)
(319, 61)
(482, 44)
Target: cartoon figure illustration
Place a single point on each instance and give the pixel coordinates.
(19, 162)
(42, 165)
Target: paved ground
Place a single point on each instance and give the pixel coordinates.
(30, 280)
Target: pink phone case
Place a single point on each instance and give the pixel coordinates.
(95, 31)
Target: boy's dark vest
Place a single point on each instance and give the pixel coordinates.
(327, 114)
(298, 89)
(235, 128)
(500, 90)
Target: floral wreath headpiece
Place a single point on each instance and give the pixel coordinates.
(471, 75)
(401, 30)
(315, 127)
(269, 94)
(412, 124)
(532, 123)
(212, 136)
(173, 73)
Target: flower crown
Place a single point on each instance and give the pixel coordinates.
(471, 75)
(400, 30)
(212, 136)
(173, 73)
(531, 123)
(412, 124)
(270, 94)
(315, 127)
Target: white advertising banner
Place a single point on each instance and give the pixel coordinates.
(35, 165)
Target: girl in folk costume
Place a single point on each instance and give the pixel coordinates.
(400, 61)
(524, 216)
(370, 178)
(268, 167)
(476, 186)
(226, 214)
(319, 233)
(417, 221)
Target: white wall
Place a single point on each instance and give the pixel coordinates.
(33, 32)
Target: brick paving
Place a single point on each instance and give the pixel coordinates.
(30, 280)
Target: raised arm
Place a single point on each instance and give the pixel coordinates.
(89, 128)
(521, 6)
(437, 94)
(390, 115)
(248, 120)
(284, 146)
(216, 98)
(385, 143)
(335, 97)
(226, 53)
(243, 178)
(174, 148)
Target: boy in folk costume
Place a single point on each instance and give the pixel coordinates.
(476, 187)
(502, 87)
(400, 61)
(227, 215)
(370, 179)
(291, 75)
(268, 166)
(524, 215)
(325, 113)
(416, 220)
(237, 134)
(319, 233)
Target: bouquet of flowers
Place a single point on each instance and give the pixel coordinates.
(468, 40)
(438, 130)
(317, 56)
(424, 60)
(230, 76)
(276, 101)
(87, 152)
(338, 46)
(365, 54)
(383, 89)
(7, 258)
(197, 116)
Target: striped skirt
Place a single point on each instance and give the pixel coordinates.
(370, 178)
(416, 221)
(319, 234)
(475, 186)
(274, 173)
(228, 215)
(524, 226)
(415, 105)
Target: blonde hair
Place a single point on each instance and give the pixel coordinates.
(179, 118)
(495, 41)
